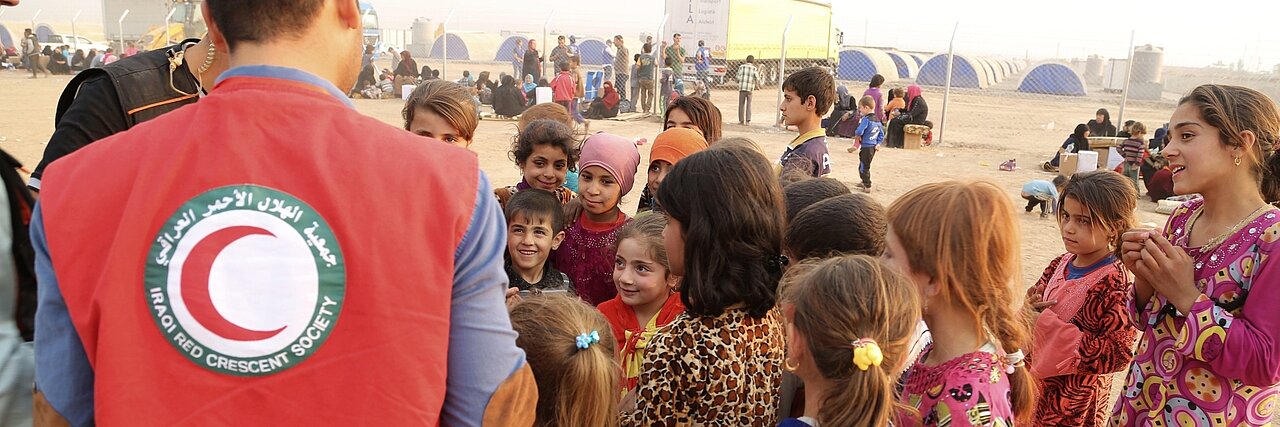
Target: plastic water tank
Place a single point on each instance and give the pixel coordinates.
(1148, 64)
(1093, 67)
(422, 32)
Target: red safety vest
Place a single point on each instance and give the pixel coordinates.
(266, 256)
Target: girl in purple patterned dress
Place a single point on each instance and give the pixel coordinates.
(1206, 288)
(608, 172)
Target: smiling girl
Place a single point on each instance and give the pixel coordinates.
(1082, 331)
(1207, 286)
(669, 148)
(647, 297)
(608, 172)
(544, 153)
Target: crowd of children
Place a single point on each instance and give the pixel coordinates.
(757, 293)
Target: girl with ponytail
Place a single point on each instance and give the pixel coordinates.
(850, 323)
(958, 243)
(1207, 285)
(570, 347)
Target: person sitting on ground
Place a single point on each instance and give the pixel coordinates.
(1160, 185)
(1076, 142)
(844, 115)
(78, 61)
(605, 106)
(508, 100)
(896, 103)
(1101, 125)
(916, 113)
(405, 74)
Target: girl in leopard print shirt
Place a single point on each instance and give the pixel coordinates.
(719, 363)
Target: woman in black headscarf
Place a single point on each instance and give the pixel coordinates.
(508, 101)
(1076, 142)
(79, 62)
(1101, 125)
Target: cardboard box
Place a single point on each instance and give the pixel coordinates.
(913, 136)
(1067, 164)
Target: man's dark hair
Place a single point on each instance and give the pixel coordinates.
(559, 38)
(751, 59)
(815, 82)
(536, 204)
(673, 36)
(648, 47)
(260, 21)
(701, 43)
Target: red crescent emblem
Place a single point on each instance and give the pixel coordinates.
(195, 284)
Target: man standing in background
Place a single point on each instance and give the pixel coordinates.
(621, 65)
(517, 60)
(676, 53)
(747, 82)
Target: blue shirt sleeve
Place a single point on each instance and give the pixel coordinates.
(482, 344)
(63, 373)
(862, 128)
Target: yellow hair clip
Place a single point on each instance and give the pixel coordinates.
(866, 353)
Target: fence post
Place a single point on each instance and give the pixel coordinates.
(120, 23)
(1128, 78)
(658, 65)
(946, 94)
(167, 34)
(34, 18)
(444, 46)
(543, 52)
(75, 36)
(782, 73)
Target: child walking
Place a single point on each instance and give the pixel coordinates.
(959, 244)
(1205, 289)
(544, 152)
(442, 110)
(647, 297)
(850, 323)
(608, 172)
(1132, 149)
(807, 95)
(570, 349)
(866, 140)
(1082, 330)
(564, 88)
(721, 361)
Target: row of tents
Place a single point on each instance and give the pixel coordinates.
(970, 72)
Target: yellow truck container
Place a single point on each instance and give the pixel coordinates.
(734, 29)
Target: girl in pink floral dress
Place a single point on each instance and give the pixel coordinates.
(1206, 289)
(958, 242)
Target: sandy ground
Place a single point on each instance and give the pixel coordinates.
(982, 131)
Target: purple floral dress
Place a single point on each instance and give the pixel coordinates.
(1219, 364)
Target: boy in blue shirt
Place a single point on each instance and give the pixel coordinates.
(869, 135)
(807, 95)
(1044, 194)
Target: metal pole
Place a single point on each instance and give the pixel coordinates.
(782, 71)
(33, 20)
(946, 94)
(75, 36)
(121, 26)
(168, 36)
(866, 29)
(444, 47)
(658, 65)
(545, 26)
(1128, 76)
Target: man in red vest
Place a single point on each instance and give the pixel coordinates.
(269, 256)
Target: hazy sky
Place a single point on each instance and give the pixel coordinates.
(1192, 32)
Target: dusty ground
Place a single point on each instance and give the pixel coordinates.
(983, 129)
(981, 132)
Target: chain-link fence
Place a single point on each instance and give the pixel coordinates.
(981, 82)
